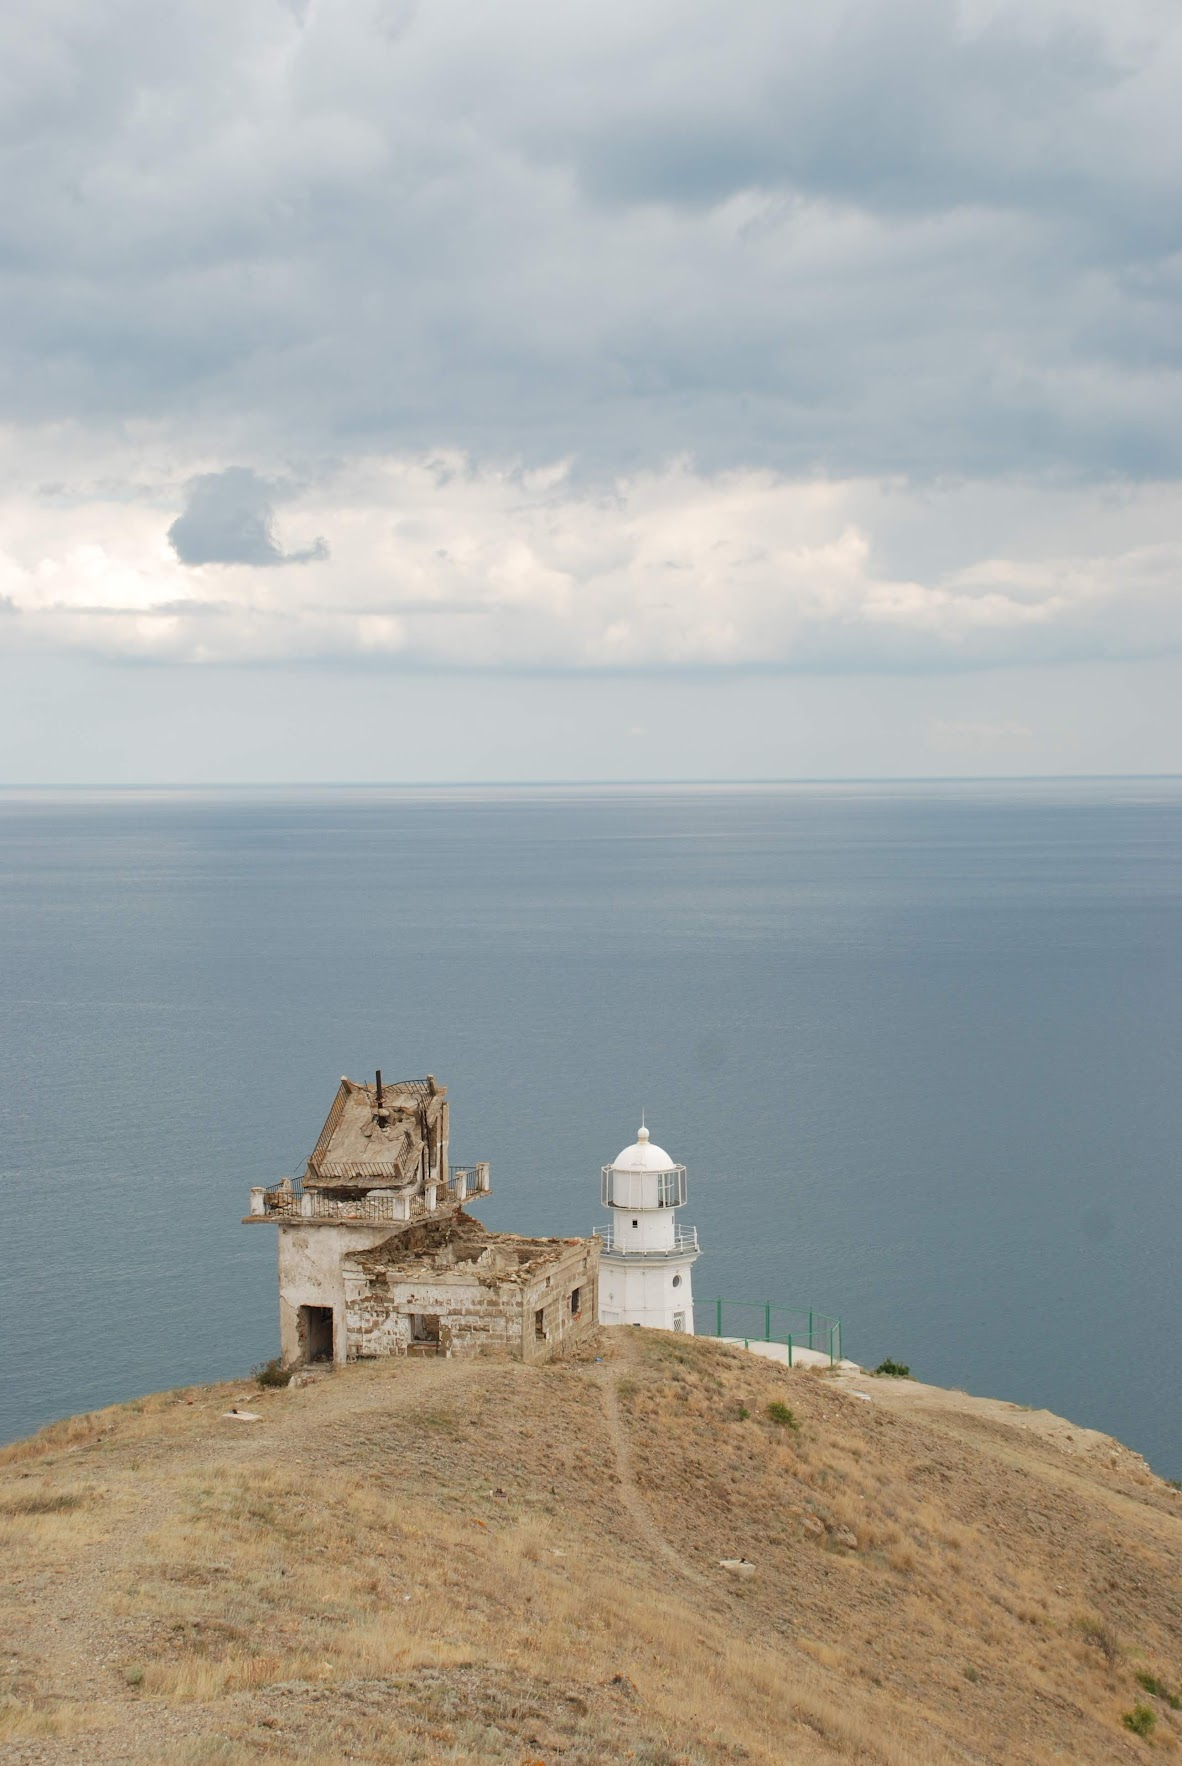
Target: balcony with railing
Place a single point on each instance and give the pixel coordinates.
(290, 1200)
(685, 1241)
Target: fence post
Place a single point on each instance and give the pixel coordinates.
(718, 1318)
(790, 1349)
(767, 1323)
(810, 1329)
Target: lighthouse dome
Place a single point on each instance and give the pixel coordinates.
(644, 1155)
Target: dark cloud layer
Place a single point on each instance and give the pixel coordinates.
(228, 519)
(880, 236)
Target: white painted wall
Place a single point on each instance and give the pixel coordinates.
(644, 1229)
(646, 1292)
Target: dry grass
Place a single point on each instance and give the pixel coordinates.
(460, 1562)
(73, 1432)
(48, 1499)
(49, 1721)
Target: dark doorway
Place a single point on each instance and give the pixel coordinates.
(424, 1328)
(316, 1332)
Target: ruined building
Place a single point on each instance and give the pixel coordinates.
(377, 1255)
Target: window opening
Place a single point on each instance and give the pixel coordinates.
(540, 1325)
(677, 1281)
(679, 1321)
(576, 1295)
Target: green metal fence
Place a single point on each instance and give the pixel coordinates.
(752, 1321)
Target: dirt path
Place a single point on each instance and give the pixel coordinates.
(629, 1492)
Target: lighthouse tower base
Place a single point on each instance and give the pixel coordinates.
(660, 1298)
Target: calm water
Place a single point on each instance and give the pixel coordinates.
(917, 1045)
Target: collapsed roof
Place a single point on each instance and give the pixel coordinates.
(438, 1246)
(381, 1136)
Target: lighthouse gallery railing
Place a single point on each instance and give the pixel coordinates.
(685, 1238)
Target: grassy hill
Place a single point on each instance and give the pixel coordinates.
(423, 1561)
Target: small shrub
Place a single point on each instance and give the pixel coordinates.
(1174, 1483)
(971, 1674)
(1151, 1684)
(898, 1370)
(1101, 1637)
(272, 1373)
(1140, 1720)
(781, 1415)
(742, 1413)
(445, 1422)
(134, 1676)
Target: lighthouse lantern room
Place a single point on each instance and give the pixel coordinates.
(647, 1257)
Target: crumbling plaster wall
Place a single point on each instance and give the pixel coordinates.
(312, 1273)
(478, 1305)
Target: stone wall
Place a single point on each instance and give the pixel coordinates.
(456, 1310)
(473, 1305)
(547, 1302)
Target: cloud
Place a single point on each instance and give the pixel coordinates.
(687, 336)
(925, 238)
(228, 518)
(440, 562)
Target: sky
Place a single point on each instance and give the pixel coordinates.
(673, 389)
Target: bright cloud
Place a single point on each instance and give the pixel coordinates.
(438, 561)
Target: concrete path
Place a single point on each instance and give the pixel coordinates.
(779, 1352)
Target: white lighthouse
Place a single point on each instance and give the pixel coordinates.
(645, 1264)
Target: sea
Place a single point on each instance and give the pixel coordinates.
(917, 1044)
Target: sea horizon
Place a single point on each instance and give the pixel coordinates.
(913, 1039)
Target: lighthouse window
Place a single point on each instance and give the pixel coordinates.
(668, 1192)
(677, 1281)
(636, 1223)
